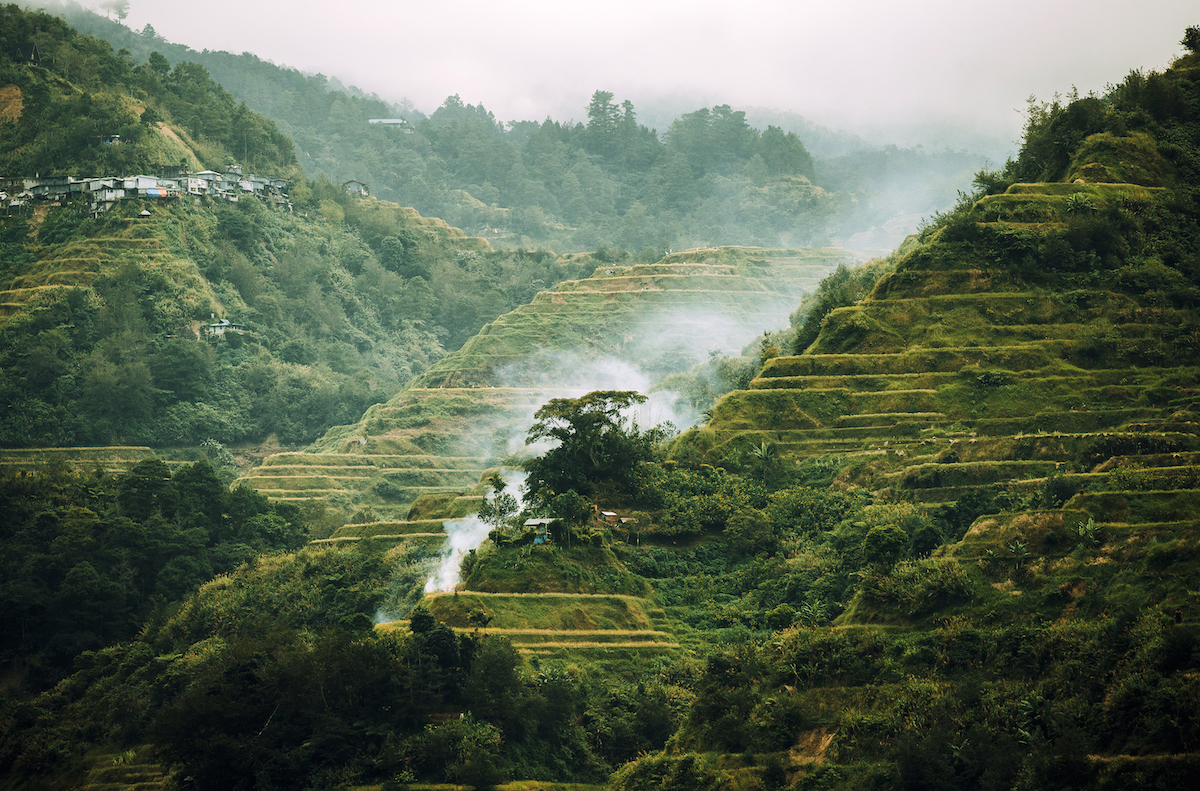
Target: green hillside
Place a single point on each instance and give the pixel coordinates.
(706, 177)
(956, 360)
(104, 314)
(1018, 390)
(78, 87)
(945, 536)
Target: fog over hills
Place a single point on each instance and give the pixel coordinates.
(880, 70)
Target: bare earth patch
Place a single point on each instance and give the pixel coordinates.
(810, 747)
(12, 103)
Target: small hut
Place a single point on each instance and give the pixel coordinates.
(540, 527)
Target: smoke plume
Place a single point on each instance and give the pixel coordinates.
(464, 535)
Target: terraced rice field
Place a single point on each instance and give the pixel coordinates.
(551, 623)
(425, 441)
(133, 770)
(77, 264)
(636, 313)
(471, 409)
(110, 459)
(929, 392)
(428, 532)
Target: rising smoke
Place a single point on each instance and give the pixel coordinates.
(463, 536)
(563, 374)
(666, 343)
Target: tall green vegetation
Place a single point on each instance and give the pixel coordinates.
(613, 181)
(129, 358)
(708, 178)
(82, 92)
(596, 444)
(87, 557)
(273, 677)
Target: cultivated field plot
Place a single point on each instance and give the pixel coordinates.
(546, 623)
(933, 392)
(110, 459)
(472, 408)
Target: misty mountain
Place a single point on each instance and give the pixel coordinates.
(562, 191)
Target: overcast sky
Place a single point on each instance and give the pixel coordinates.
(878, 67)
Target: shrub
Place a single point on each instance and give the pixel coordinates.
(884, 545)
(915, 587)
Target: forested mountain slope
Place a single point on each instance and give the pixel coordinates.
(705, 178)
(103, 314)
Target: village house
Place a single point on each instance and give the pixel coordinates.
(104, 191)
(398, 124)
(206, 182)
(25, 53)
(355, 188)
(53, 187)
(222, 326)
(540, 527)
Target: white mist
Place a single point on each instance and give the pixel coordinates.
(464, 535)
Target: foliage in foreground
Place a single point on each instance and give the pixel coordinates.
(273, 677)
(88, 558)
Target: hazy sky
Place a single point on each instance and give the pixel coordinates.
(873, 66)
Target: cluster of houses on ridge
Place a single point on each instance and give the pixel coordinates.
(104, 191)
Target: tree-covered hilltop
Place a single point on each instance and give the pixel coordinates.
(76, 92)
(708, 178)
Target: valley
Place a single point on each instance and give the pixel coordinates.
(443, 513)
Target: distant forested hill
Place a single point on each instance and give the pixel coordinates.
(709, 177)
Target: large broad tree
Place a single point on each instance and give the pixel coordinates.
(596, 443)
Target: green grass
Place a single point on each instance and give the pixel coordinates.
(564, 612)
(388, 528)
(552, 569)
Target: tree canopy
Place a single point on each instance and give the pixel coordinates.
(596, 442)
